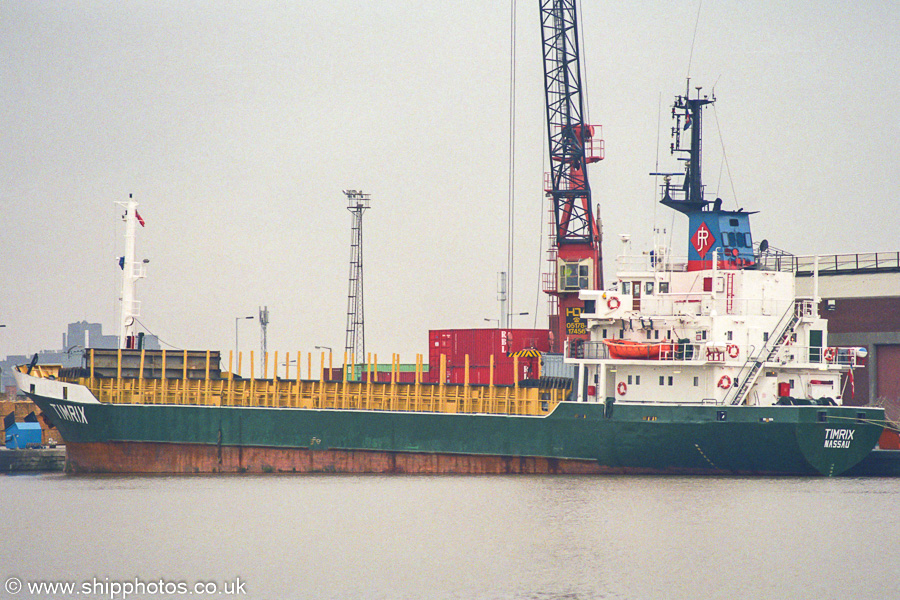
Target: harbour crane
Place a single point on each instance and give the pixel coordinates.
(575, 252)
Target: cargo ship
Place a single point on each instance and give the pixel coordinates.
(708, 364)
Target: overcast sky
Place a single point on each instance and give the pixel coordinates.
(237, 125)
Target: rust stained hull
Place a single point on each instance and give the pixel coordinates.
(574, 438)
(150, 457)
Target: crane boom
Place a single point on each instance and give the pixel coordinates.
(575, 255)
(568, 137)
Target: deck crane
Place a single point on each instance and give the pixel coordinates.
(575, 254)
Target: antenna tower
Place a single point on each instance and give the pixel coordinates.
(355, 344)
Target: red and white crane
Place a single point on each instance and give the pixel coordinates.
(575, 254)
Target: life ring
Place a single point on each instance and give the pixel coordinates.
(613, 303)
(621, 388)
(725, 382)
(830, 354)
(732, 350)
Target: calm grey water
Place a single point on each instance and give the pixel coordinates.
(454, 537)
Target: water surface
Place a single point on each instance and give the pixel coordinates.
(458, 537)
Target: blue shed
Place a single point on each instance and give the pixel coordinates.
(19, 435)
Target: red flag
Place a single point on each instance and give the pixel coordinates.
(139, 218)
(852, 385)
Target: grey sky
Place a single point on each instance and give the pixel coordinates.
(237, 124)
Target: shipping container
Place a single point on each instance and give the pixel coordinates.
(480, 345)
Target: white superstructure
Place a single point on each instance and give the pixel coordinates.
(709, 336)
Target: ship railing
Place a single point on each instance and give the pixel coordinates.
(669, 351)
(817, 355)
(324, 387)
(650, 261)
(731, 353)
(864, 262)
(588, 350)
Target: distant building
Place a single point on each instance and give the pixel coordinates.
(79, 335)
(88, 335)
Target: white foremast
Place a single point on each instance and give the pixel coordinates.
(132, 271)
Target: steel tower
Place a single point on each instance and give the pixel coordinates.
(355, 341)
(575, 255)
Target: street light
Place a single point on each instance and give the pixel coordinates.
(497, 320)
(323, 348)
(236, 319)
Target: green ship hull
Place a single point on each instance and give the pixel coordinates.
(573, 438)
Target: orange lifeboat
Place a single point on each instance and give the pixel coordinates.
(637, 350)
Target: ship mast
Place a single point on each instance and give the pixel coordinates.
(132, 271)
(717, 238)
(688, 115)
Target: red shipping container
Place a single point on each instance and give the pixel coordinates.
(480, 345)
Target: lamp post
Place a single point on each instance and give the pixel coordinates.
(236, 319)
(497, 321)
(515, 315)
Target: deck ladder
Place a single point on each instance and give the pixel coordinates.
(749, 373)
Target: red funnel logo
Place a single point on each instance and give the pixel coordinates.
(703, 240)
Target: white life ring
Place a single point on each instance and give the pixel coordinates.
(621, 388)
(725, 382)
(733, 350)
